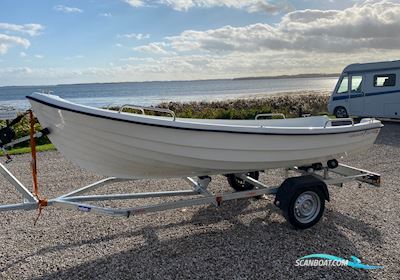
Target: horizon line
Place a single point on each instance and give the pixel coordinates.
(294, 76)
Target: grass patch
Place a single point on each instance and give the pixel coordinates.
(290, 105)
(24, 150)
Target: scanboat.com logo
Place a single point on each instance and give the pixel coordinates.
(330, 260)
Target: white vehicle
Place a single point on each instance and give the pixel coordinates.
(368, 89)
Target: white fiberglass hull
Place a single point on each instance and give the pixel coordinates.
(135, 146)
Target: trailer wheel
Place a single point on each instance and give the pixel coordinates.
(239, 184)
(306, 207)
(341, 112)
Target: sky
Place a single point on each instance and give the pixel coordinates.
(51, 42)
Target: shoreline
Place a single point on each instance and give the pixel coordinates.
(285, 93)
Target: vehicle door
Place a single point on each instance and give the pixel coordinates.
(340, 95)
(356, 94)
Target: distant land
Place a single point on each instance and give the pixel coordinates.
(297, 76)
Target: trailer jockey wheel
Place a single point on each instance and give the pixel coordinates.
(306, 207)
(332, 164)
(239, 184)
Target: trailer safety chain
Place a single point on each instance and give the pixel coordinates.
(42, 203)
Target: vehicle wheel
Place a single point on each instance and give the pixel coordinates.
(306, 207)
(240, 185)
(341, 112)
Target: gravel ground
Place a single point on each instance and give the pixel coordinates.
(245, 239)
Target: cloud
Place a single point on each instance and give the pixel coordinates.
(248, 5)
(371, 25)
(105, 14)
(136, 36)
(7, 42)
(270, 8)
(153, 48)
(12, 71)
(251, 6)
(67, 10)
(32, 29)
(368, 20)
(135, 3)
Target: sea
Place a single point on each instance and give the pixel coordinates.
(153, 93)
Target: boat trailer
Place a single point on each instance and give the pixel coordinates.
(302, 198)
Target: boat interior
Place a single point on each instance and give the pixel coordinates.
(315, 121)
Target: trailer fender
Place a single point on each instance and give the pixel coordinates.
(288, 188)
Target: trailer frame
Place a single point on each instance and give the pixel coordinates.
(77, 200)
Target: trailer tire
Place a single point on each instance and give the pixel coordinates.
(340, 112)
(306, 207)
(240, 185)
(302, 200)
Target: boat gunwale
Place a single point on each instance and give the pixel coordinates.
(312, 131)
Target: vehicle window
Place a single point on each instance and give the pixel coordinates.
(356, 82)
(344, 85)
(385, 80)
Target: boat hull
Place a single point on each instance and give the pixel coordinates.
(136, 150)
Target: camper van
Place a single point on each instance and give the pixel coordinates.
(367, 90)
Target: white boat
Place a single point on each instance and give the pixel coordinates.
(127, 145)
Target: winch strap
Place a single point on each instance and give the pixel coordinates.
(33, 153)
(42, 202)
